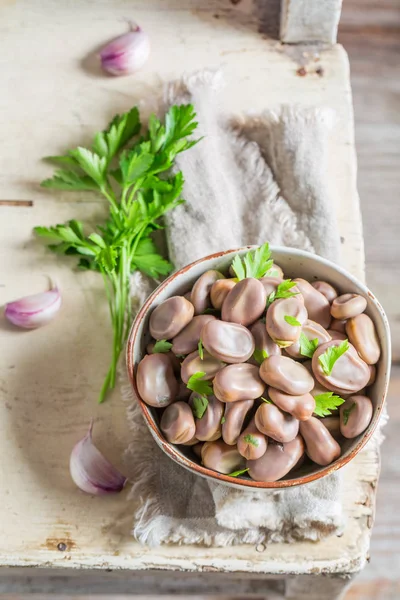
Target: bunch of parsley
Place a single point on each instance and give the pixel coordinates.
(131, 172)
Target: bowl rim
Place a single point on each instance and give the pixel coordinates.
(185, 462)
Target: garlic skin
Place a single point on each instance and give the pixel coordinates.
(127, 53)
(34, 311)
(91, 472)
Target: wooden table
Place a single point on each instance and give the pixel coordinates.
(52, 98)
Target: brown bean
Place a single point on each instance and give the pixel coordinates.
(355, 416)
(277, 461)
(262, 340)
(200, 297)
(245, 303)
(333, 426)
(300, 407)
(317, 305)
(251, 443)
(229, 342)
(219, 291)
(177, 423)
(274, 271)
(220, 457)
(337, 335)
(363, 336)
(188, 295)
(338, 325)
(170, 317)
(238, 382)
(233, 420)
(286, 375)
(326, 289)
(348, 306)
(208, 427)
(192, 442)
(176, 365)
(349, 374)
(194, 364)
(275, 423)
(197, 449)
(372, 376)
(187, 340)
(281, 332)
(183, 392)
(320, 445)
(312, 331)
(155, 380)
(270, 284)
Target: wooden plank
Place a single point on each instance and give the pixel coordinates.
(50, 378)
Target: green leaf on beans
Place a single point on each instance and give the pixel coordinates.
(223, 420)
(199, 406)
(347, 412)
(200, 350)
(250, 439)
(197, 384)
(256, 263)
(266, 400)
(282, 291)
(328, 359)
(162, 346)
(292, 321)
(325, 403)
(308, 347)
(260, 355)
(237, 473)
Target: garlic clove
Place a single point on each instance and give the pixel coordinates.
(34, 311)
(91, 472)
(127, 53)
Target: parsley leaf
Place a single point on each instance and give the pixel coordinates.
(199, 405)
(131, 173)
(347, 412)
(282, 291)
(254, 264)
(250, 439)
(325, 403)
(260, 355)
(266, 400)
(292, 321)
(237, 473)
(162, 346)
(223, 420)
(331, 355)
(197, 384)
(200, 350)
(307, 347)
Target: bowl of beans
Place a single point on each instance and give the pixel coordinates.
(260, 367)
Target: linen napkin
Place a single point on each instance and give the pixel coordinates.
(251, 179)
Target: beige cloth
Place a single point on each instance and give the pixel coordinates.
(250, 180)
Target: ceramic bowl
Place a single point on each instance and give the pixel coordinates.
(295, 263)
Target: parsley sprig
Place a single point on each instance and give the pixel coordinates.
(162, 346)
(347, 412)
(260, 355)
(292, 321)
(308, 347)
(328, 359)
(282, 291)
(256, 263)
(237, 473)
(132, 173)
(250, 439)
(325, 403)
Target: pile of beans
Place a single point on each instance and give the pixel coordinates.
(258, 414)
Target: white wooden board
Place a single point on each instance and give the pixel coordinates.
(49, 378)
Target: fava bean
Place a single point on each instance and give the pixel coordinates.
(300, 407)
(251, 443)
(238, 382)
(349, 373)
(229, 342)
(333, 426)
(326, 289)
(348, 306)
(270, 283)
(170, 317)
(187, 340)
(317, 305)
(194, 364)
(220, 457)
(219, 291)
(262, 340)
(177, 423)
(282, 332)
(208, 428)
(245, 303)
(234, 418)
(155, 380)
(312, 331)
(372, 376)
(176, 365)
(197, 449)
(355, 416)
(337, 335)
(277, 461)
(286, 375)
(321, 447)
(362, 334)
(200, 297)
(275, 423)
